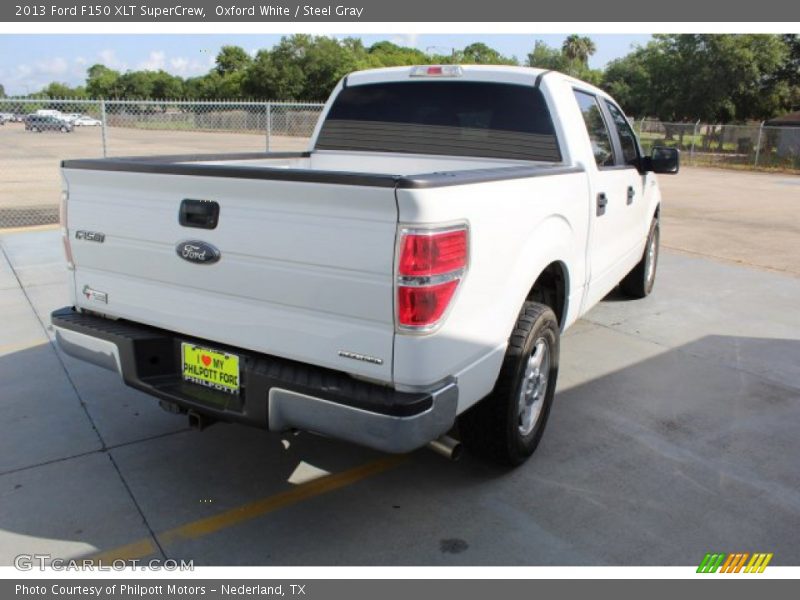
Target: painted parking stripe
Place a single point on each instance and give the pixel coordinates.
(202, 527)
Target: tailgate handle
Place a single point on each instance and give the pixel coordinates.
(201, 214)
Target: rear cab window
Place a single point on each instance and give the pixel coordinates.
(454, 118)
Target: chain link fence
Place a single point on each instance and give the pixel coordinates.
(37, 134)
(754, 146)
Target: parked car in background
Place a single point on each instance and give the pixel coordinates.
(6, 118)
(86, 121)
(39, 123)
(49, 112)
(71, 117)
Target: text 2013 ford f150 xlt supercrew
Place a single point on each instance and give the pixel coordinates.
(412, 271)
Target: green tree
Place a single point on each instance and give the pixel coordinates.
(628, 80)
(301, 67)
(273, 76)
(545, 57)
(789, 73)
(62, 90)
(2, 91)
(481, 54)
(102, 82)
(388, 54)
(325, 62)
(136, 85)
(577, 48)
(710, 77)
(166, 85)
(232, 59)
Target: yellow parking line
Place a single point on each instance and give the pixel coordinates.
(29, 229)
(234, 516)
(139, 549)
(19, 346)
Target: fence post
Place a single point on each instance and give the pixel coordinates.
(103, 121)
(269, 125)
(758, 143)
(694, 139)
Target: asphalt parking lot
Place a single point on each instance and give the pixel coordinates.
(674, 433)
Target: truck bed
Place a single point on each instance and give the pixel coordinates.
(374, 169)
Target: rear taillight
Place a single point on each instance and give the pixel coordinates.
(430, 265)
(62, 217)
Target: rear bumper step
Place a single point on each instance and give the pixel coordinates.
(276, 393)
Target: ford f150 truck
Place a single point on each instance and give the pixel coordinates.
(413, 271)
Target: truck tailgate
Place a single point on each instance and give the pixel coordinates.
(305, 268)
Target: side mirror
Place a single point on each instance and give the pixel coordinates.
(663, 160)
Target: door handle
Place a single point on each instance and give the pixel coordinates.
(602, 202)
(631, 194)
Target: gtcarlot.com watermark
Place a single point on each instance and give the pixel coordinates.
(42, 562)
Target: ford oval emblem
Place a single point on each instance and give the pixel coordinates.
(197, 252)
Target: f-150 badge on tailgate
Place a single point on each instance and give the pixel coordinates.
(197, 252)
(90, 236)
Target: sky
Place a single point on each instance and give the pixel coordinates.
(30, 62)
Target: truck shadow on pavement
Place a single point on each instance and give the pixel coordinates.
(694, 449)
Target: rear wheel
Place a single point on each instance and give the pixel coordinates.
(508, 424)
(640, 281)
(63, 129)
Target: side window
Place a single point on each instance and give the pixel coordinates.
(627, 139)
(597, 129)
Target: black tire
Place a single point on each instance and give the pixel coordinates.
(494, 426)
(640, 281)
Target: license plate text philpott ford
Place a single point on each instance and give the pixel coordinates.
(210, 368)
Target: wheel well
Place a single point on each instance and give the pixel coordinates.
(550, 289)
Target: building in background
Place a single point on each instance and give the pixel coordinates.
(785, 140)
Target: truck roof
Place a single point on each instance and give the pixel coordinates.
(487, 73)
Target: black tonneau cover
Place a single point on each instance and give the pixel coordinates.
(192, 164)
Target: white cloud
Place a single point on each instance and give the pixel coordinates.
(407, 39)
(55, 66)
(108, 57)
(185, 67)
(155, 61)
(26, 78)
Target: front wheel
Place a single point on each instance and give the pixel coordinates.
(640, 281)
(508, 424)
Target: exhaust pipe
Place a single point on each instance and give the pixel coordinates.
(198, 421)
(448, 447)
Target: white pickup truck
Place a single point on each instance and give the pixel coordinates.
(410, 273)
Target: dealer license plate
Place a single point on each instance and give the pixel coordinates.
(210, 368)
